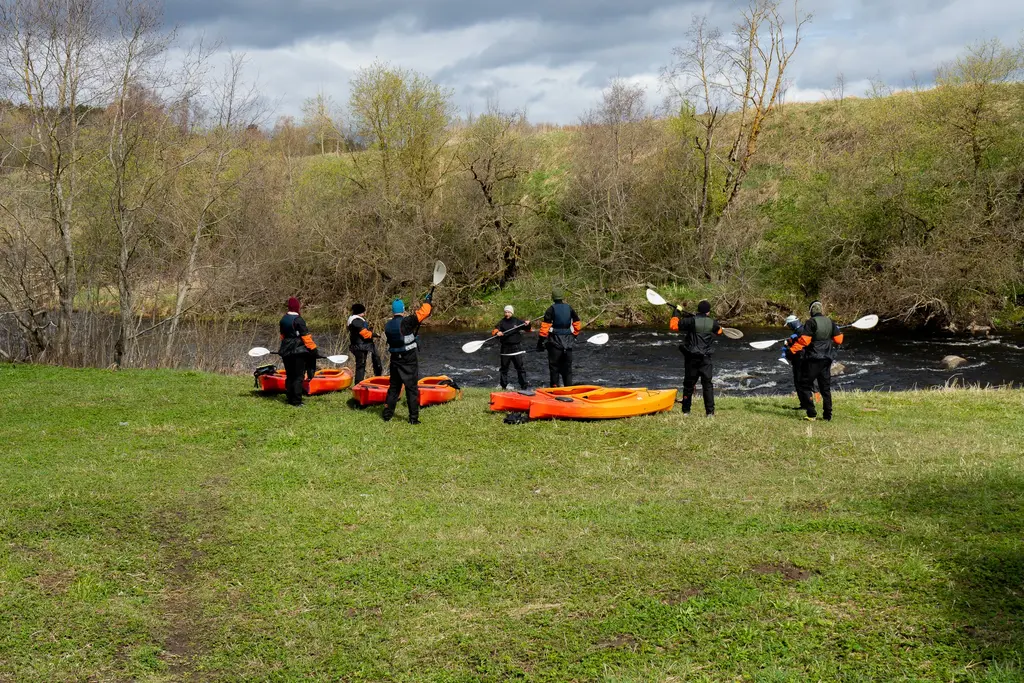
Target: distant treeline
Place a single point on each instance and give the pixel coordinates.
(130, 190)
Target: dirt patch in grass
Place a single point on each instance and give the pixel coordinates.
(621, 641)
(788, 571)
(812, 505)
(52, 583)
(678, 597)
(180, 530)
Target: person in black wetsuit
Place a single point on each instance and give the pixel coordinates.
(297, 347)
(400, 333)
(558, 333)
(360, 342)
(795, 360)
(818, 339)
(698, 332)
(510, 330)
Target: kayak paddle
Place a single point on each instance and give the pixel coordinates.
(658, 300)
(440, 271)
(865, 323)
(599, 339)
(474, 346)
(258, 351)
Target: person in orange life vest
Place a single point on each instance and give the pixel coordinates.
(400, 333)
(510, 330)
(360, 341)
(698, 332)
(558, 332)
(818, 340)
(296, 348)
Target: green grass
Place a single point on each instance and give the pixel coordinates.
(159, 525)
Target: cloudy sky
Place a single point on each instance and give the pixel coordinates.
(553, 57)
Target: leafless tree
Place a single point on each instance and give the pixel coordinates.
(51, 62)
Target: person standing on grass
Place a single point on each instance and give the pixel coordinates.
(698, 333)
(360, 341)
(400, 333)
(297, 351)
(510, 330)
(558, 333)
(795, 360)
(818, 339)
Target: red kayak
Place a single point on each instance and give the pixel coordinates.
(520, 400)
(324, 381)
(433, 390)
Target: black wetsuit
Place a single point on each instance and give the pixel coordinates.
(512, 351)
(698, 332)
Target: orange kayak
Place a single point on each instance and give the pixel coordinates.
(520, 400)
(603, 404)
(433, 390)
(323, 381)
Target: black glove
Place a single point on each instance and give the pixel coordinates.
(429, 297)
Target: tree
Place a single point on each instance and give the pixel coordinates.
(323, 124)
(142, 132)
(495, 154)
(405, 118)
(51, 61)
(233, 107)
(608, 188)
(742, 77)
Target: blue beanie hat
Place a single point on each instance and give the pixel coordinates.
(397, 306)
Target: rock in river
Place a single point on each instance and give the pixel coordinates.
(953, 362)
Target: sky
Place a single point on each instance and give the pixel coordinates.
(552, 58)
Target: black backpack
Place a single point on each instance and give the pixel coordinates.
(263, 370)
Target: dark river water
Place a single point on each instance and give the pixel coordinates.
(640, 357)
(878, 359)
(873, 360)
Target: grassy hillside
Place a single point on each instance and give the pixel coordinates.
(165, 526)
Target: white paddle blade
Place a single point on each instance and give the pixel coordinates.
(258, 351)
(440, 270)
(473, 346)
(655, 298)
(600, 338)
(732, 333)
(767, 344)
(338, 359)
(866, 323)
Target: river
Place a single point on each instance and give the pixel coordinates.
(880, 360)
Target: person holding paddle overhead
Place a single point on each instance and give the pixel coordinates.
(400, 333)
(698, 332)
(558, 333)
(360, 340)
(297, 351)
(510, 330)
(795, 360)
(817, 342)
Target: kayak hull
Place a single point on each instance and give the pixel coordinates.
(323, 382)
(604, 404)
(518, 400)
(371, 391)
(433, 390)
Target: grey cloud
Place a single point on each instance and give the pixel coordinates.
(271, 23)
(897, 42)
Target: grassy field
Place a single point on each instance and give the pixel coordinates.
(163, 526)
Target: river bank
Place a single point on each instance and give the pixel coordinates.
(166, 525)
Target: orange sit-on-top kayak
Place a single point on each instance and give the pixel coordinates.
(323, 381)
(520, 400)
(433, 390)
(603, 404)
